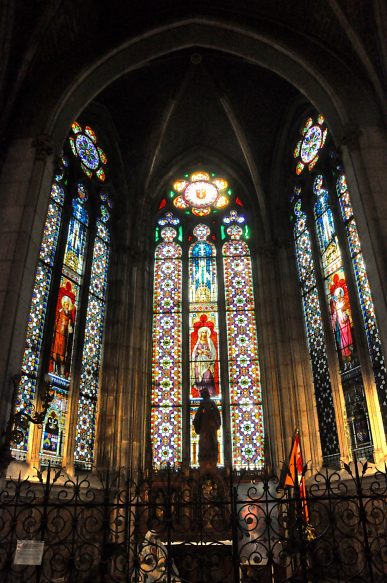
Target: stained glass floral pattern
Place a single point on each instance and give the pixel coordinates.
(315, 333)
(364, 292)
(243, 366)
(187, 300)
(65, 304)
(35, 327)
(307, 150)
(201, 193)
(166, 397)
(84, 145)
(92, 350)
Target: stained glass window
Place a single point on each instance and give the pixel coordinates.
(92, 346)
(247, 427)
(313, 136)
(63, 333)
(364, 292)
(84, 145)
(198, 346)
(331, 245)
(166, 411)
(315, 331)
(35, 328)
(335, 279)
(203, 328)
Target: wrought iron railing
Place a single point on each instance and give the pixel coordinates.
(181, 526)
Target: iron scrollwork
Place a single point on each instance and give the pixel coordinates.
(174, 526)
(18, 421)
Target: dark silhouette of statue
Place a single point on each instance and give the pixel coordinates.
(206, 423)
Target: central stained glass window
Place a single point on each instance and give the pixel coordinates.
(204, 325)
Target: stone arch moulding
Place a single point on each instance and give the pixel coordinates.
(336, 96)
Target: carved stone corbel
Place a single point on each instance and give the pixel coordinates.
(44, 147)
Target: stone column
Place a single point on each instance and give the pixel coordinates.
(123, 429)
(285, 368)
(24, 190)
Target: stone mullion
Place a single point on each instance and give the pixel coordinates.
(223, 360)
(25, 187)
(277, 403)
(76, 367)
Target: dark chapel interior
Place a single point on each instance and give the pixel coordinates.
(105, 107)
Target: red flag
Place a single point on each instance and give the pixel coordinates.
(294, 473)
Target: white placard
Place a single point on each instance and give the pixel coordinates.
(29, 552)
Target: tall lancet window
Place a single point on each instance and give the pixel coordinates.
(243, 366)
(328, 246)
(167, 341)
(65, 327)
(204, 325)
(314, 330)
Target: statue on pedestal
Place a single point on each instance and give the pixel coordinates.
(206, 423)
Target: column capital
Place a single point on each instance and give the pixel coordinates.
(350, 137)
(44, 147)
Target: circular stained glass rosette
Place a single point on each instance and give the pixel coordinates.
(201, 194)
(308, 148)
(87, 151)
(311, 144)
(83, 144)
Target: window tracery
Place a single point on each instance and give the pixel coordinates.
(209, 315)
(323, 192)
(66, 319)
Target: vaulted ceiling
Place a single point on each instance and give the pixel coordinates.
(197, 104)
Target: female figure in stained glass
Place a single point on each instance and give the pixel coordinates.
(341, 320)
(203, 356)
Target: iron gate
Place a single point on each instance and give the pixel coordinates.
(180, 526)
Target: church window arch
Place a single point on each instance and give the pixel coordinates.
(204, 310)
(65, 327)
(328, 246)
